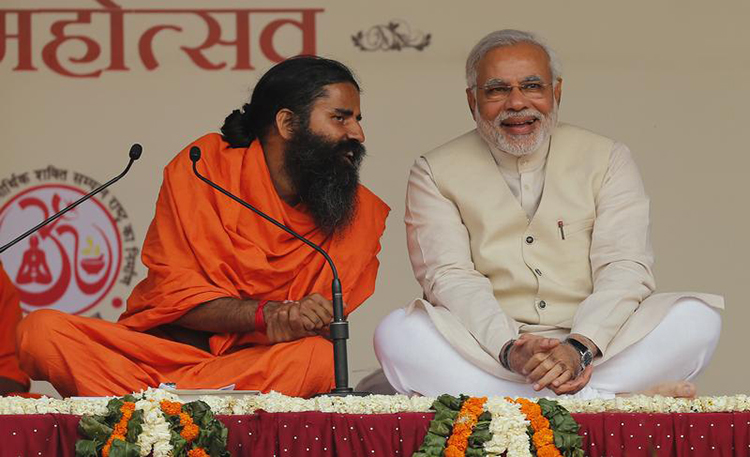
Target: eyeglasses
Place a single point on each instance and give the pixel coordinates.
(500, 92)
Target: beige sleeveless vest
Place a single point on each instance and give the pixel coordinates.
(540, 270)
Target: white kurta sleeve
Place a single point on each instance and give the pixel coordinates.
(440, 255)
(621, 253)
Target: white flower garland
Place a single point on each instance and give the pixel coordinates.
(508, 427)
(374, 404)
(155, 435)
(658, 404)
(508, 424)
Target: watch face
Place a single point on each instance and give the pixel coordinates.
(586, 358)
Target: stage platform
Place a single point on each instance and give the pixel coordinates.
(332, 434)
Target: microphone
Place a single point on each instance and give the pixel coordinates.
(339, 326)
(135, 154)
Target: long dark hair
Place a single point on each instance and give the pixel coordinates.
(293, 84)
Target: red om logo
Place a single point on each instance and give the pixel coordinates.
(69, 265)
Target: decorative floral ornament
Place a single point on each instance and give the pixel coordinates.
(112, 434)
(194, 430)
(553, 431)
(460, 427)
(508, 428)
(464, 425)
(152, 423)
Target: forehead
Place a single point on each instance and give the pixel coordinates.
(339, 96)
(514, 63)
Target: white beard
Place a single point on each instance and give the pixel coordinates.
(516, 145)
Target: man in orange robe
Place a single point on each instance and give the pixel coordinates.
(294, 152)
(12, 379)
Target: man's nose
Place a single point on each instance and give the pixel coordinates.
(516, 100)
(355, 132)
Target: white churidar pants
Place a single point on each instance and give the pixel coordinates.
(416, 359)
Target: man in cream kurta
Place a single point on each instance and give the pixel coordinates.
(531, 242)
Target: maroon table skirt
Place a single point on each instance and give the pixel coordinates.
(325, 434)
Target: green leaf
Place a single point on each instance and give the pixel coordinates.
(122, 448)
(479, 437)
(442, 428)
(475, 452)
(446, 415)
(86, 448)
(113, 411)
(431, 440)
(452, 402)
(94, 429)
(135, 426)
(178, 443)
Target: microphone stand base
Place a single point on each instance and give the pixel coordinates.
(345, 392)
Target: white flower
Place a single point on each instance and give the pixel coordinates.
(155, 435)
(219, 405)
(88, 406)
(508, 427)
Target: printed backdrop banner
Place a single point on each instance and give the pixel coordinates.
(82, 80)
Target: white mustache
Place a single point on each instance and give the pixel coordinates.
(528, 112)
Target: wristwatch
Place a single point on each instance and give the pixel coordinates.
(586, 355)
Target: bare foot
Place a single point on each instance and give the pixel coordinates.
(677, 389)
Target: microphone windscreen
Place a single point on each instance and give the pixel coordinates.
(195, 153)
(135, 151)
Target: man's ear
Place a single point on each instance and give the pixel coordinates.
(472, 100)
(558, 90)
(285, 123)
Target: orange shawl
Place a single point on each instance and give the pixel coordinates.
(202, 246)
(10, 316)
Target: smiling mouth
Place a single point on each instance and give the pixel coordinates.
(518, 122)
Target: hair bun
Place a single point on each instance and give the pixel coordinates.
(236, 129)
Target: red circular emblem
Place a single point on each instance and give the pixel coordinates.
(69, 265)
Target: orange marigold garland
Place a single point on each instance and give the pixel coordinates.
(114, 433)
(460, 427)
(464, 425)
(189, 431)
(121, 429)
(542, 438)
(198, 442)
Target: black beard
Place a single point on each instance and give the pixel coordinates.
(323, 178)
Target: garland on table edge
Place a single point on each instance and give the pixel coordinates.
(274, 402)
(149, 431)
(460, 428)
(476, 427)
(200, 434)
(152, 423)
(114, 433)
(552, 430)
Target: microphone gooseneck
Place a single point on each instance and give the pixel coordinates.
(135, 154)
(339, 326)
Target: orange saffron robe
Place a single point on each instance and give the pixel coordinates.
(10, 316)
(202, 246)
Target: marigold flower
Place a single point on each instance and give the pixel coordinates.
(539, 423)
(543, 438)
(172, 408)
(452, 451)
(197, 452)
(548, 451)
(185, 419)
(190, 432)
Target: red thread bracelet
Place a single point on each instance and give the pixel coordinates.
(260, 320)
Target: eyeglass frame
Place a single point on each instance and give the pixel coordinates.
(535, 80)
